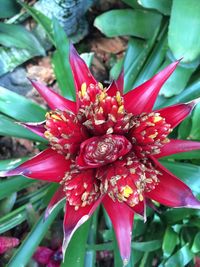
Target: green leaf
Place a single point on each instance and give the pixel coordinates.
(75, 253)
(181, 258)
(61, 59)
(116, 69)
(189, 173)
(196, 244)
(29, 245)
(169, 242)
(177, 81)
(9, 127)
(87, 57)
(184, 28)
(8, 8)
(17, 36)
(190, 93)
(185, 128)
(20, 108)
(132, 3)
(173, 216)
(147, 246)
(121, 22)
(136, 55)
(154, 60)
(7, 204)
(163, 6)
(195, 130)
(40, 18)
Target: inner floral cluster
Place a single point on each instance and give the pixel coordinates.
(102, 133)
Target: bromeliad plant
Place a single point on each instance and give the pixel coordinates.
(104, 148)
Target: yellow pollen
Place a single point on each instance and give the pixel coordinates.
(127, 191)
(56, 117)
(102, 96)
(157, 119)
(100, 85)
(47, 134)
(121, 109)
(141, 198)
(83, 89)
(100, 110)
(118, 98)
(153, 135)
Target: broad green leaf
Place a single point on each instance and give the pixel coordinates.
(154, 60)
(8, 164)
(9, 127)
(75, 253)
(116, 69)
(189, 173)
(43, 20)
(121, 22)
(29, 245)
(17, 36)
(147, 246)
(8, 8)
(163, 6)
(184, 27)
(65, 80)
(173, 216)
(177, 81)
(196, 244)
(136, 55)
(169, 242)
(132, 3)
(181, 258)
(185, 128)
(20, 108)
(195, 130)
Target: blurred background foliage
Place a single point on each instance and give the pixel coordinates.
(141, 35)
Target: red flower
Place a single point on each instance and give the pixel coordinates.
(48, 257)
(7, 243)
(105, 148)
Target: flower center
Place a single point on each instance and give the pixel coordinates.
(99, 151)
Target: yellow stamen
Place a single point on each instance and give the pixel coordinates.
(102, 96)
(118, 98)
(56, 117)
(153, 135)
(100, 85)
(83, 89)
(141, 198)
(127, 191)
(121, 109)
(157, 119)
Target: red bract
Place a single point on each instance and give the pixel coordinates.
(7, 243)
(104, 149)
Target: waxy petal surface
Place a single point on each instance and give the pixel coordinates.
(143, 97)
(47, 165)
(80, 71)
(37, 128)
(74, 219)
(177, 113)
(171, 191)
(56, 199)
(54, 100)
(177, 146)
(122, 219)
(116, 85)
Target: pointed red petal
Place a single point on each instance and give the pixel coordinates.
(171, 191)
(80, 70)
(177, 113)
(48, 165)
(117, 85)
(142, 98)
(43, 255)
(74, 219)
(177, 146)
(35, 127)
(56, 199)
(122, 219)
(140, 209)
(54, 100)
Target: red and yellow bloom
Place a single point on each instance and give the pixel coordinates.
(104, 148)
